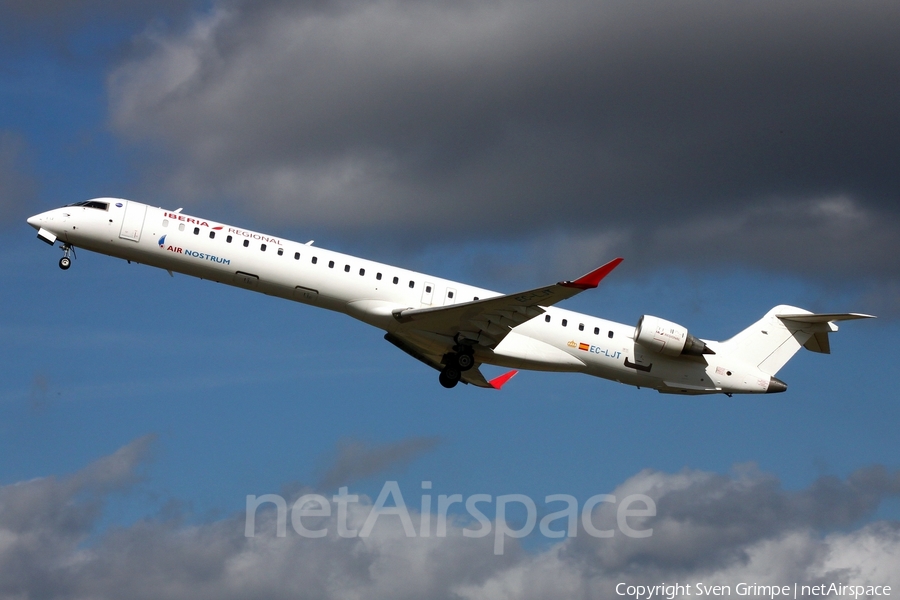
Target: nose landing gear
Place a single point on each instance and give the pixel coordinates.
(65, 262)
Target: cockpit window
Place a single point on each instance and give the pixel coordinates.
(92, 204)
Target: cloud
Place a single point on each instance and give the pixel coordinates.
(357, 459)
(449, 120)
(709, 521)
(709, 527)
(43, 521)
(17, 185)
(819, 236)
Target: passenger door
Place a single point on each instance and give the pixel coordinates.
(133, 221)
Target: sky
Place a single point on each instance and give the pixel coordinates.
(738, 156)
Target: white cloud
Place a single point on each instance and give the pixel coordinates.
(709, 528)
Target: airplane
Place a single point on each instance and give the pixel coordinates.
(450, 326)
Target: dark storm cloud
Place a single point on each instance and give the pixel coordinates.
(357, 460)
(824, 236)
(708, 528)
(17, 185)
(685, 130)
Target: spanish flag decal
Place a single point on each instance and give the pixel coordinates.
(583, 346)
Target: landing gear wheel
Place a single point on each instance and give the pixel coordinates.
(449, 377)
(65, 262)
(465, 361)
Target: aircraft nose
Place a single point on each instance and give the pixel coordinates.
(35, 221)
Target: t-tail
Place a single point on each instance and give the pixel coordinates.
(772, 341)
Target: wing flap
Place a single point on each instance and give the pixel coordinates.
(412, 350)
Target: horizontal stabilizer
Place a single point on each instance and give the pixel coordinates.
(823, 323)
(823, 317)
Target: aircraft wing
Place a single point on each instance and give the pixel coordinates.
(487, 321)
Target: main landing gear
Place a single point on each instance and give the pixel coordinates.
(65, 262)
(455, 364)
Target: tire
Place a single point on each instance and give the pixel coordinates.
(446, 381)
(465, 361)
(65, 262)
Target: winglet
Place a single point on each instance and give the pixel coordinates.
(498, 382)
(592, 279)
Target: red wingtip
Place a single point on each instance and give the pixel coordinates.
(497, 382)
(592, 279)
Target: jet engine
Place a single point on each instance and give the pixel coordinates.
(668, 338)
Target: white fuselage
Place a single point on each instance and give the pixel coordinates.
(558, 340)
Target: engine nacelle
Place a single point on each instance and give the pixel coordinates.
(668, 338)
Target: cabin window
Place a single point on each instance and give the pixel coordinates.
(315, 259)
(296, 256)
(396, 280)
(165, 222)
(246, 243)
(262, 247)
(378, 276)
(546, 318)
(565, 322)
(427, 289)
(280, 251)
(596, 331)
(412, 284)
(181, 227)
(196, 231)
(228, 239)
(212, 235)
(581, 327)
(346, 268)
(362, 272)
(330, 264)
(449, 294)
(610, 335)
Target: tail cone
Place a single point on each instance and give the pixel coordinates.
(775, 386)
